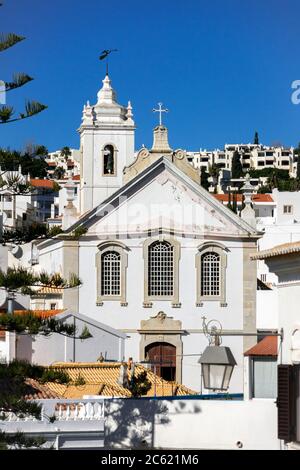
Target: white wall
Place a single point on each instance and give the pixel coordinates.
(267, 309)
(287, 198)
(191, 424)
(59, 348)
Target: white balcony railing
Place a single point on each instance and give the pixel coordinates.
(65, 410)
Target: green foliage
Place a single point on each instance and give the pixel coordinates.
(78, 232)
(236, 165)
(32, 324)
(256, 139)
(297, 152)
(53, 231)
(85, 334)
(234, 203)
(6, 113)
(269, 172)
(19, 441)
(9, 40)
(59, 173)
(79, 381)
(19, 79)
(36, 167)
(52, 375)
(204, 178)
(13, 389)
(277, 178)
(16, 278)
(25, 234)
(16, 185)
(66, 152)
(56, 187)
(20, 279)
(139, 384)
(214, 170)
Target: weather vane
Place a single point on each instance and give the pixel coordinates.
(104, 55)
(160, 110)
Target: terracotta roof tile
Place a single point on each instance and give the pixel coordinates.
(40, 183)
(278, 250)
(225, 197)
(239, 197)
(41, 313)
(101, 379)
(33, 390)
(262, 198)
(49, 290)
(265, 347)
(36, 391)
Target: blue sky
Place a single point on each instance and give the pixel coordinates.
(223, 68)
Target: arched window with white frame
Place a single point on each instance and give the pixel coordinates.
(211, 262)
(210, 274)
(111, 266)
(110, 273)
(161, 271)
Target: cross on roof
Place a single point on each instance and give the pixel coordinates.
(160, 110)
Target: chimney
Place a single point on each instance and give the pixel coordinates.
(123, 376)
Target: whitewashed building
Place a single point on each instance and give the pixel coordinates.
(254, 156)
(159, 251)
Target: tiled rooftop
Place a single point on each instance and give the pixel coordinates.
(259, 198)
(265, 347)
(101, 379)
(41, 183)
(278, 250)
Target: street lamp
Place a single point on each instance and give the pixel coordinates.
(217, 367)
(217, 361)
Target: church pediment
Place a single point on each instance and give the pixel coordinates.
(162, 196)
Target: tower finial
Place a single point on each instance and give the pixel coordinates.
(104, 55)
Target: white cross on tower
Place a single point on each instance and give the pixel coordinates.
(160, 110)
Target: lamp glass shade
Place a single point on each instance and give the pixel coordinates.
(217, 366)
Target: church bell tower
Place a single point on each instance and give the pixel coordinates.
(106, 145)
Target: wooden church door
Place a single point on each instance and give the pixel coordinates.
(162, 357)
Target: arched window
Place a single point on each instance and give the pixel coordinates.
(210, 274)
(110, 273)
(211, 261)
(108, 160)
(161, 269)
(111, 265)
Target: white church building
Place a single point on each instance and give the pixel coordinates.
(157, 252)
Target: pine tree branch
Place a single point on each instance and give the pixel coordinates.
(8, 40)
(32, 108)
(19, 79)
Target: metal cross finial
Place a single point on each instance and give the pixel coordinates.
(160, 110)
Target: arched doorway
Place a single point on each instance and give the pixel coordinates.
(162, 357)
